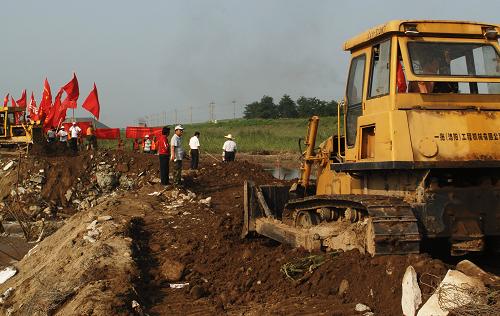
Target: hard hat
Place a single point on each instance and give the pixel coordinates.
(146, 136)
(74, 123)
(179, 127)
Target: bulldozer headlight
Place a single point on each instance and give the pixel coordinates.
(490, 33)
(411, 30)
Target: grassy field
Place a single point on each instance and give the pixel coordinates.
(254, 135)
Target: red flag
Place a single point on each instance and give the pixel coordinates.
(400, 78)
(91, 103)
(45, 102)
(72, 91)
(58, 113)
(17, 115)
(32, 108)
(22, 101)
(6, 100)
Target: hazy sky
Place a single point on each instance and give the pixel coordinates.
(150, 57)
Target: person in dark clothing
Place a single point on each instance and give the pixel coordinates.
(164, 154)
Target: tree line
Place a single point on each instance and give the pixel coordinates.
(288, 108)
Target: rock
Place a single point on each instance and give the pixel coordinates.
(68, 194)
(155, 247)
(452, 278)
(104, 218)
(8, 165)
(122, 167)
(47, 210)
(172, 270)
(89, 239)
(412, 296)
(207, 201)
(126, 183)
(470, 269)
(197, 292)
(92, 225)
(107, 181)
(6, 295)
(362, 308)
(34, 210)
(343, 287)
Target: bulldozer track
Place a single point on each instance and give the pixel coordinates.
(394, 227)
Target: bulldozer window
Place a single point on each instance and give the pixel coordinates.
(457, 59)
(354, 97)
(2, 124)
(379, 79)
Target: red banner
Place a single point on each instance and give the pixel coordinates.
(107, 133)
(83, 126)
(140, 132)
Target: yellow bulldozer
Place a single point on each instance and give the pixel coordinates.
(415, 154)
(15, 131)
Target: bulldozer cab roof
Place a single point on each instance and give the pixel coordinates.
(10, 109)
(424, 27)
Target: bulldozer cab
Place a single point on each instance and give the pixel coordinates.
(15, 130)
(403, 74)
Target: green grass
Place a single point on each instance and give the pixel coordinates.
(251, 135)
(257, 135)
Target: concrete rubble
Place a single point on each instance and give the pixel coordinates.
(412, 296)
(454, 280)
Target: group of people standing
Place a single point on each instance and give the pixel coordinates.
(173, 151)
(73, 138)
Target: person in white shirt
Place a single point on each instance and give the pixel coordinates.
(74, 130)
(146, 147)
(229, 149)
(63, 135)
(194, 146)
(177, 153)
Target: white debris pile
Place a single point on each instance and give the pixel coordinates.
(94, 230)
(458, 294)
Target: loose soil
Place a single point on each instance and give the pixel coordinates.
(153, 242)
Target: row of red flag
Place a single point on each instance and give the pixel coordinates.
(53, 114)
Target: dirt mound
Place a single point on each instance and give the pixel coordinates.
(70, 273)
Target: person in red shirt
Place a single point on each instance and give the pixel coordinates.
(164, 154)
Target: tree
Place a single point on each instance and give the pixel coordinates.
(269, 109)
(263, 109)
(287, 107)
(252, 110)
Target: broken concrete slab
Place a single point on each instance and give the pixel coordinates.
(472, 270)
(7, 273)
(411, 297)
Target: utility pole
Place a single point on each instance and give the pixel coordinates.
(175, 117)
(212, 108)
(234, 109)
(191, 115)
